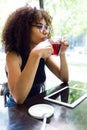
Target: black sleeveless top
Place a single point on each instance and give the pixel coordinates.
(39, 78)
(40, 74)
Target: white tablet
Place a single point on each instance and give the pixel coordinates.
(67, 96)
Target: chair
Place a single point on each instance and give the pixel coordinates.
(4, 92)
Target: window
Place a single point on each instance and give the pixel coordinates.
(70, 21)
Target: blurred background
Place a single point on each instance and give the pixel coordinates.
(70, 21)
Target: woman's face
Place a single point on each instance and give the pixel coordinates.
(39, 32)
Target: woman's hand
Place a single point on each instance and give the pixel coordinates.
(64, 45)
(43, 49)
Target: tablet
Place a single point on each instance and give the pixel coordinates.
(67, 96)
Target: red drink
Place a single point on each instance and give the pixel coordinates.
(56, 48)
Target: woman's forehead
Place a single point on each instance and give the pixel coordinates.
(43, 21)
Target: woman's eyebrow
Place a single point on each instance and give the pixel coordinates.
(40, 23)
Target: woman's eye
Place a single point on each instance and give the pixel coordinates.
(39, 26)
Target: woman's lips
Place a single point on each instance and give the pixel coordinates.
(43, 39)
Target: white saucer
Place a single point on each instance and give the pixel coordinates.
(38, 111)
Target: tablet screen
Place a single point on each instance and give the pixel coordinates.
(67, 96)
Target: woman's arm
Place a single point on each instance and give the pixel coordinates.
(20, 83)
(61, 71)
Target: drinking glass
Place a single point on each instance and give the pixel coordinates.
(56, 45)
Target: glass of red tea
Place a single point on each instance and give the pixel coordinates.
(56, 46)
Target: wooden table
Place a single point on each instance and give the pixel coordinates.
(17, 118)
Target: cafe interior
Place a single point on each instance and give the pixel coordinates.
(61, 106)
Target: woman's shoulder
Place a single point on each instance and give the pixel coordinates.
(13, 57)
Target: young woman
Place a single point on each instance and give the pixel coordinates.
(28, 51)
